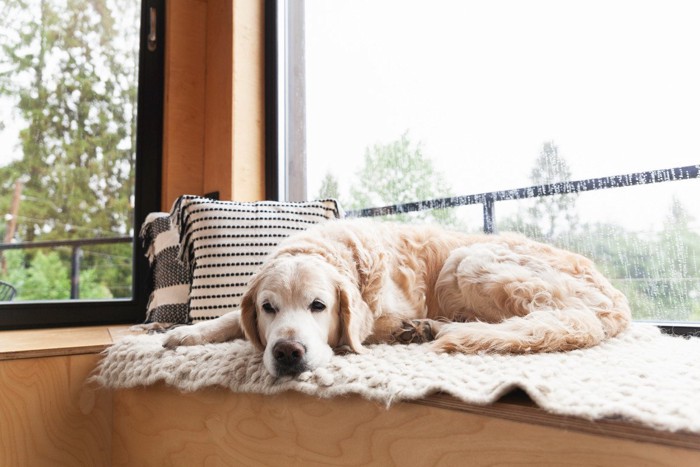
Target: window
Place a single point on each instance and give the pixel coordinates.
(81, 94)
(389, 102)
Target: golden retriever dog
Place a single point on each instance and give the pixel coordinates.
(343, 284)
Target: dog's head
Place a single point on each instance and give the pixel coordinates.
(299, 308)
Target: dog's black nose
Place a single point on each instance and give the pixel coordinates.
(289, 357)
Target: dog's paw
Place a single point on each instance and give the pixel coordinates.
(415, 331)
(343, 350)
(154, 328)
(183, 336)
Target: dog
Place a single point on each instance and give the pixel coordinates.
(344, 284)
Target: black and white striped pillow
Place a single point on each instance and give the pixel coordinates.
(170, 278)
(225, 243)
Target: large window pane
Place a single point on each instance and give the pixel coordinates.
(68, 90)
(411, 100)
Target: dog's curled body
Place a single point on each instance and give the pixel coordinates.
(346, 283)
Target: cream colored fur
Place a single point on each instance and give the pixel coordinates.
(502, 293)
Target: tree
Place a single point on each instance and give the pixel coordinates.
(47, 277)
(398, 172)
(329, 188)
(676, 265)
(70, 69)
(558, 212)
(549, 216)
(75, 88)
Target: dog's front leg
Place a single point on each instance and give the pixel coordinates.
(391, 329)
(222, 329)
(417, 331)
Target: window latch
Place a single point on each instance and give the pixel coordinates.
(152, 42)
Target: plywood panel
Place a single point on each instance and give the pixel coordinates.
(50, 342)
(248, 101)
(48, 417)
(158, 426)
(214, 100)
(218, 144)
(185, 88)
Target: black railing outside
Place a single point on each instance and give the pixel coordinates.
(488, 200)
(76, 254)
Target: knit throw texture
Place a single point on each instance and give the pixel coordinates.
(641, 376)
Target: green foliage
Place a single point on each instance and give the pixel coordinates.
(46, 276)
(14, 270)
(659, 273)
(330, 188)
(75, 89)
(69, 67)
(398, 172)
(92, 288)
(558, 212)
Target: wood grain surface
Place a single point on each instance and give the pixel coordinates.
(157, 426)
(32, 343)
(185, 94)
(214, 100)
(248, 81)
(49, 417)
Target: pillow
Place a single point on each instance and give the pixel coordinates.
(169, 277)
(225, 242)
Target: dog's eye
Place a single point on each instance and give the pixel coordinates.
(267, 308)
(317, 305)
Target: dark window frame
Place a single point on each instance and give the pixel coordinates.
(271, 78)
(149, 146)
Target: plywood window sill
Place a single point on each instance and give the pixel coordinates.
(37, 343)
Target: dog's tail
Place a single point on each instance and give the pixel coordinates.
(552, 300)
(540, 331)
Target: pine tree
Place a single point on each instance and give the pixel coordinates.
(329, 188)
(69, 67)
(75, 88)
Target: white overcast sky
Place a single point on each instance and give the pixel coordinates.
(482, 84)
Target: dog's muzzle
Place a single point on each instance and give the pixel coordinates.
(290, 357)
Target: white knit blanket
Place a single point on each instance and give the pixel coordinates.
(641, 376)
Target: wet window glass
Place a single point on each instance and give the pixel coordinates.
(401, 101)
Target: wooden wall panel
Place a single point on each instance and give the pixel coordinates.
(214, 100)
(185, 91)
(248, 101)
(158, 426)
(48, 417)
(218, 142)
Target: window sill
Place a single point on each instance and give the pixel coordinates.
(517, 406)
(38, 343)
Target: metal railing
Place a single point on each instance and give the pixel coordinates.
(76, 253)
(488, 200)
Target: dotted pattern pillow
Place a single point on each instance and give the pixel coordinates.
(225, 243)
(169, 277)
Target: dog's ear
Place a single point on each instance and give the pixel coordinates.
(249, 314)
(355, 316)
